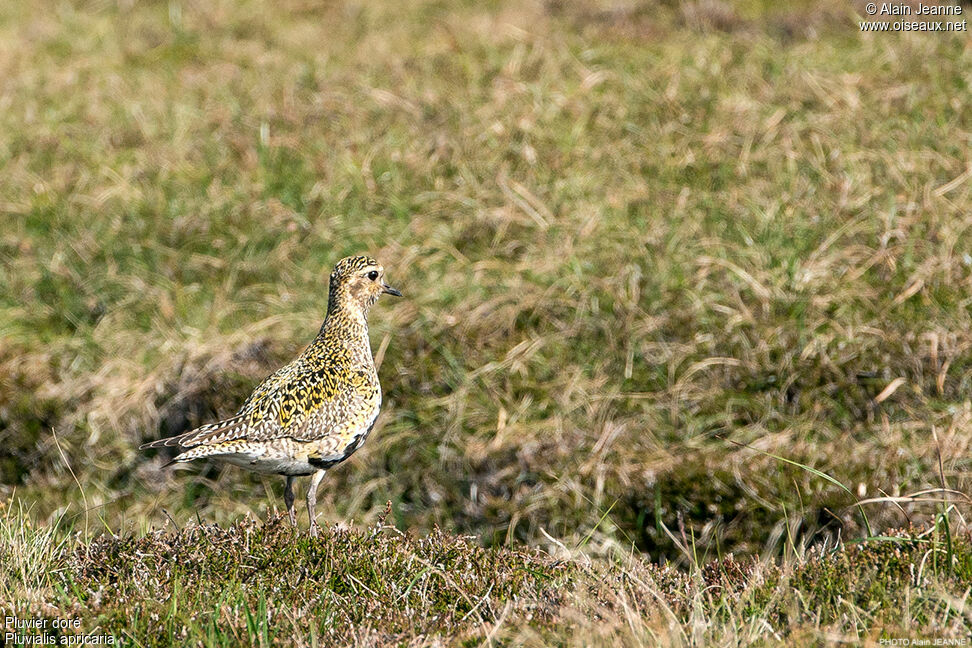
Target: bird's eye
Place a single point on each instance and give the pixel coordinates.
(373, 275)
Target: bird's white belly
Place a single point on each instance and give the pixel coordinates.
(270, 464)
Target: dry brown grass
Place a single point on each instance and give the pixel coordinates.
(264, 583)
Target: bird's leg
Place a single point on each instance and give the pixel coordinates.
(289, 499)
(312, 500)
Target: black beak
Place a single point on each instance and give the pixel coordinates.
(385, 288)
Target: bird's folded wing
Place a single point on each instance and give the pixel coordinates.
(300, 421)
(305, 410)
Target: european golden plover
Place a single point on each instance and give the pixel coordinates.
(313, 413)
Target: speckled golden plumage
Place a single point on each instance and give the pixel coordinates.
(317, 410)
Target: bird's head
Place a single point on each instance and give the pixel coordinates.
(357, 282)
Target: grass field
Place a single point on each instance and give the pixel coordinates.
(683, 280)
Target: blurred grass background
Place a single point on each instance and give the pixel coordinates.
(631, 236)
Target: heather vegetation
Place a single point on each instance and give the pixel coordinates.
(685, 355)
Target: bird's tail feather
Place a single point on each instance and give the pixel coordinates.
(168, 442)
(219, 432)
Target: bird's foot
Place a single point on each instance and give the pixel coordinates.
(342, 526)
(293, 517)
(314, 529)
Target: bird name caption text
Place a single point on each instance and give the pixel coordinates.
(42, 631)
(894, 17)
